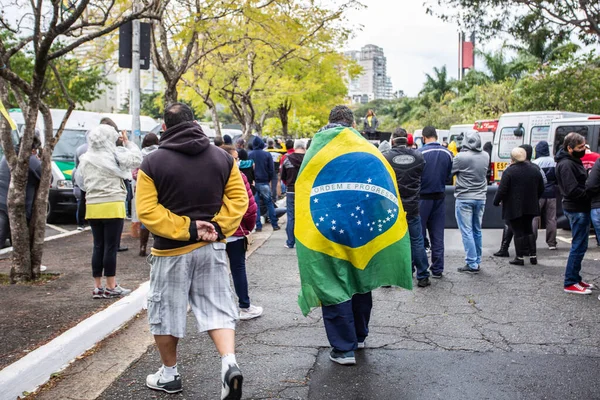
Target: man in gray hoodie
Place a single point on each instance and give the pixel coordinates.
(470, 168)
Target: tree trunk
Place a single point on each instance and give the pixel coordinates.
(214, 114)
(171, 93)
(40, 205)
(283, 111)
(21, 269)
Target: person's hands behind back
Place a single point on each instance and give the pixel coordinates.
(206, 231)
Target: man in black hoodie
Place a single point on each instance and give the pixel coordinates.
(191, 196)
(571, 177)
(289, 173)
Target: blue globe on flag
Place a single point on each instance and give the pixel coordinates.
(352, 207)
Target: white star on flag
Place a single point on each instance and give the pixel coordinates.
(359, 223)
(380, 226)
(357, 208)
(392, 215)
(333, 228)
(316, 200)
(321, 219)
(390, 211)
(362, 211)
(367, 195)
(352, 215)
(369, 180)
(339, 205)
(341, 231)
(371, 229)
(333, 222)
(317, 224)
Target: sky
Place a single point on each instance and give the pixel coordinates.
(413, 42)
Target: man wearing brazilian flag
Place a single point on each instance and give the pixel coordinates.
(351, 232)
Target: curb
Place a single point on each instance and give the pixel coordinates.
(33, 370)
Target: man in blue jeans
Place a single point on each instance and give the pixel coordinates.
(289, 173)
(263, 173)
(432, 204)
(408, 165)
(470, 168)
(571, 177)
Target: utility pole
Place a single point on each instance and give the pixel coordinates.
(134, 99)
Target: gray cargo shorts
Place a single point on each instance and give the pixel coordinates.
(201, 278)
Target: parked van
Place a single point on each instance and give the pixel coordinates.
(588, 127)
(443, 135)
(457, 133)
(515, 129)
(61, 198)
(124, 122)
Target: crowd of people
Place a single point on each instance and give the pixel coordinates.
(201, 222)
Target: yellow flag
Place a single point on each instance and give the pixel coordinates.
(3, 111)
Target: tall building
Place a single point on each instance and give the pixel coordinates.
(373, 83)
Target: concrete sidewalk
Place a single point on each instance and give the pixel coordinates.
(508, 333)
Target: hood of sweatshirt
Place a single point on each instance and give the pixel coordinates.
(186, 137)
(542, 149)
(564, 155)
(296, 159)
(472, 142)
(258, 143)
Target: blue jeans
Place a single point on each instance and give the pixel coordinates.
(347, 323)
(264, 192)
(417, 247)
(289, 228)
(580, 230)
(433, 220)
(236, 251)
(469, 214)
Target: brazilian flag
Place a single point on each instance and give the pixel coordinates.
(351, 231)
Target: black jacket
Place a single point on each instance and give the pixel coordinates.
(408, 165)
(571, 177)
(520, 188)
(290, 169)
(592, 185)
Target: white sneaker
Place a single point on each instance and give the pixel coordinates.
(361, 345)
(552, 247)
(118, 291)
(158, 382)
(43, 268)
(250, 312)
(80, 228)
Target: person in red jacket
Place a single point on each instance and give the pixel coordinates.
(236, 251)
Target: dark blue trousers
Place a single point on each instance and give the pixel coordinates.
(347, 323)
(236, 251)
(433, 220)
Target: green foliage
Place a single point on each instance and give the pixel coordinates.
(84, 84)
(571, 86)
(298, 127)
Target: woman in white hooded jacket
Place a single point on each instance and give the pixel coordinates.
(101, 172)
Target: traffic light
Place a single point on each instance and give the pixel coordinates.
(125, 45)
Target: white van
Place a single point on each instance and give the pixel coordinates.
(443, 135)
(457, 133)
(124, 122)
(515, 129)
(588, 127)
(61, 198)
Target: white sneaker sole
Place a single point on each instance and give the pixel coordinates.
(343, 361)
(586, 292)
(163, 389)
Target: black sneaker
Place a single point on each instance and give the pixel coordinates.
(157, 382)
(502, 253)
(423, 282)
(517, 261)
(276, 228)
(437, 275)
(468, 270)
(232, 384)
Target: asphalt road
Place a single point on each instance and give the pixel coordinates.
(507, 333)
